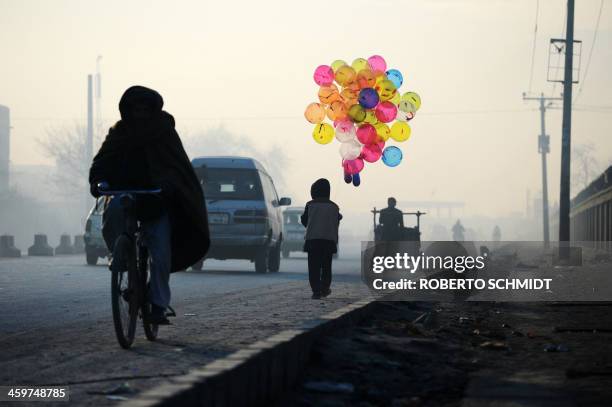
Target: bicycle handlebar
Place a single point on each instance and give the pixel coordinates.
(102, 189)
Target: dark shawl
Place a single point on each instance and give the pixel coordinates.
(155, 144)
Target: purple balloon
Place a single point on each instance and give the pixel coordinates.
(368, 98)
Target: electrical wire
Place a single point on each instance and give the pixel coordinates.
(588, 64)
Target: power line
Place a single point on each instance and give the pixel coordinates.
(588, 64)
(221, 118)
(533, 47)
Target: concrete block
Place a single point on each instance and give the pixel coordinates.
(40, 247)
(7, 247)
(79, 244)
(65, 246)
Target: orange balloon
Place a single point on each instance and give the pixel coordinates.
(380, 76)
(337, 111)
(329, 94)
(350, 96)
(366, 79)
(315, 113)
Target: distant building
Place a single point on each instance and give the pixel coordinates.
(5, 147)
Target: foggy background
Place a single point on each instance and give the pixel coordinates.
(238, 75)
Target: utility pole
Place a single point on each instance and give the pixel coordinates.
(98, 101)
(89, 140)
(543, 149)
(566, 136)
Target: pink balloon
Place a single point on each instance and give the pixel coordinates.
(344, 125)
(324, 75)
(377, 63)
(381, 144)
(366, 134)
(386, 111)
(371, 153)
(353, 166)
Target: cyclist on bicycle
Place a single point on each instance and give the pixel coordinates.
(143, 150)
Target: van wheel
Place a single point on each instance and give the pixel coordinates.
(91, 257)
(274, 258)
(261, 261)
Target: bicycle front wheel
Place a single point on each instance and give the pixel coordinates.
(124, 293)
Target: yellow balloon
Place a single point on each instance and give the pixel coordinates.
(396, 99)
(360, 64)
(386, 90)
(315, 113)
(400, 131)
(413, 98)
(323, 133)
(370, 117)
(337, 64)
(383, 131)
(345, 75)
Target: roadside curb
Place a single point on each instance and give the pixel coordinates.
(255, 375)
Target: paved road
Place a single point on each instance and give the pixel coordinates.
(56, 326)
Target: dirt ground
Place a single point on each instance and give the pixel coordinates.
(465, 354)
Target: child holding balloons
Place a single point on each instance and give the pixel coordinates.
(321, 218)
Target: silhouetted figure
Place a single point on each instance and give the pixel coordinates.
(141, 151)
(458, 232)
(496, 234)
(392, 221)
(321, 218)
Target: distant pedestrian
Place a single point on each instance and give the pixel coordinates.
(458, 232)
(392, 221)
(321, 218)
(496, 234)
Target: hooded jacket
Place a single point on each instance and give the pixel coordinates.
(321, 215)
(144, 153)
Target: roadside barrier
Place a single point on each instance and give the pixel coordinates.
(40, 247)
(257, 375)
(79, 244)
(65, 246)
(7, 247)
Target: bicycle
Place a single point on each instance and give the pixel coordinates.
(129, 286)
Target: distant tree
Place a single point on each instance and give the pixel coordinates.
(66, 146)
(585, 166)
(220, 141)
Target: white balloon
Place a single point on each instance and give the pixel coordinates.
(350, 150)
(344, 136)
(403, 116)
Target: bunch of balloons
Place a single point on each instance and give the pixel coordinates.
(363, 102)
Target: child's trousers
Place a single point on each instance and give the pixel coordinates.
(320, 268)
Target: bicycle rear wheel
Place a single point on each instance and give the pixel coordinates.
(143, 265)
(149, 328)
(124, 293)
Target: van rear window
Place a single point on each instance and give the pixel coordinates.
(229, 183)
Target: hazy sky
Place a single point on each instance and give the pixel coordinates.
(248, 65)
